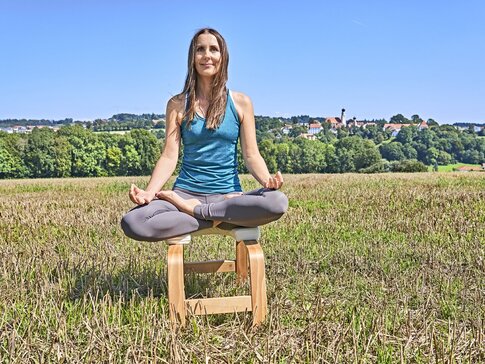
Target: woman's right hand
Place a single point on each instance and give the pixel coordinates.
(139, 196)
(275, 182)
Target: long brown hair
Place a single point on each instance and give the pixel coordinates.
(218, 97)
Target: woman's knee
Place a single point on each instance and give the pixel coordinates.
(134, 226)
(130, 226)
(139, 227)
(278, 203)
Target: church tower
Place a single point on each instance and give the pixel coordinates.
(342, 118)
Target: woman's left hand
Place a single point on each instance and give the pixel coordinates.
(275, 182)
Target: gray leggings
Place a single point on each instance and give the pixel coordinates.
(160, 220)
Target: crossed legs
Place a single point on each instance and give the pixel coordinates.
(163, 219)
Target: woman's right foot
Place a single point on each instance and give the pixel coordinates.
(183, 205)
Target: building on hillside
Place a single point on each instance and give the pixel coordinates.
(20, 129)
(337, 122)
(156, 121)
(308, 136)
(356, 123)
(476, 128)
(422, 125)
(286, 129)
(395, 128)
(334, 121)
(314, 128)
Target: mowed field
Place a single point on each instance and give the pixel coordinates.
(362, 269)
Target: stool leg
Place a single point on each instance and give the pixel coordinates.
(241, 262)
(176, 288)
(258, 282)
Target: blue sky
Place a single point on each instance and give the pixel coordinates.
(91, 59)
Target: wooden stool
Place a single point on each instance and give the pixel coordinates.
(248, 253)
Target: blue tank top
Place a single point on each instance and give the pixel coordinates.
(209, 164)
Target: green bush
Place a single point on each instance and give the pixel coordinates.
(410, 165)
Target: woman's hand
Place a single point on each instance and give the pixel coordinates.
(275, 182)
(139, 196)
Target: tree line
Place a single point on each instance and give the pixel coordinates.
(76, 151)
(122, 121)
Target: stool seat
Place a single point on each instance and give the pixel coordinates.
(241, 233)
(249, 261)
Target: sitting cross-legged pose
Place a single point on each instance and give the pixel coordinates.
(209, 120)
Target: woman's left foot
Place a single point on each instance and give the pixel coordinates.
(186, 206)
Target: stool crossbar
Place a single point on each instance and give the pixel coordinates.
(249, 263)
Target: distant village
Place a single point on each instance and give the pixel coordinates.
(313, 126)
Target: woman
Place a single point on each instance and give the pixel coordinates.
(209, 119)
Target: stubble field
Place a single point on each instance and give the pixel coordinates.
(361, 269)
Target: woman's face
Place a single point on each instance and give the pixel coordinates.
(207, 55)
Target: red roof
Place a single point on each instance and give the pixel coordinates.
(333, 120)
(396, 126)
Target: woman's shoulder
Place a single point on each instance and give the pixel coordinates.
(240, 98)
(177, 102)
(243, 104)
(175, 109)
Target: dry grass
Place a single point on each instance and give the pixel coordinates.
(362, 268)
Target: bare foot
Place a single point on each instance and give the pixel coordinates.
(186, 206)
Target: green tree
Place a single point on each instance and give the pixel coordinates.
(148, 148)
(12, 148)
(432, 156)
(283, 157)
(426, 137)
(355, 153)
(409, 152)
(312, 156)
(297, 131)
(130, 161)
(114, 156)
(409, 166)
(331, 159)
(241, 165)
(47, 154)
(367, 156)
(8, 163)
(416, 119)
(393, 151)
(399, 119)
(88, 153)
(443, 158)
(346, 160)
(407, 135)
(268, 152)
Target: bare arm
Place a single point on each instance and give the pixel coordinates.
(252, 158)
(167, 162)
